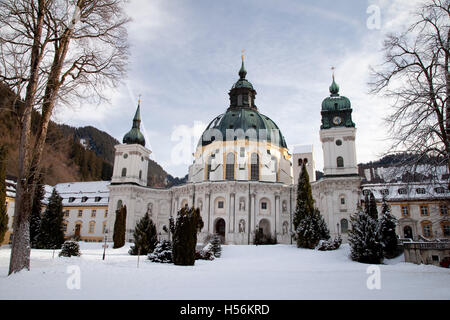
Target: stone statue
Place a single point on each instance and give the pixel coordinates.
(241, 226)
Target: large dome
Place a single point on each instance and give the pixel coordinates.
(245, 119)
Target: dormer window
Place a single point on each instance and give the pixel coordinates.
(71, 199)
(420, 191)
(84, 199)
(97, 199)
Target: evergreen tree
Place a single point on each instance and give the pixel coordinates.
(51, 233)
(3, 214)
(36, 211)
(216, 246)
(309, 225)
(145, 236)
(305, 201)
(311, 230)
(370, 206)
(188, 224)
(162, 252)
(386, 231)
(70, 248)
(363, 239)
(120, 227)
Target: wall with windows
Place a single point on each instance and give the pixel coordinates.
(422, 210)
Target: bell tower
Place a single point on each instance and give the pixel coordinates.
(131, 158)
(337, 134)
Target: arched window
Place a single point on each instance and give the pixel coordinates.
(254, 165)
(208, 168)
(300, 162)
(124, 172)
(140, 174)
(344, 225)
(229, 171)
(340, 162)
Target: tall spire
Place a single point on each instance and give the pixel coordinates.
(242, 72)
(134, 136)
(137, 115)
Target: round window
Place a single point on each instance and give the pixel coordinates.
(338, 142)
(125, 155)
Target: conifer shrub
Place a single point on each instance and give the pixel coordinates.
(188, 224)
(51, 233)
(206, 253)
(386, 232)
(145, 237)
(216, 247)
(70, 248)
(119, 227)
(327, 245)
(364, 239)
(162, 252)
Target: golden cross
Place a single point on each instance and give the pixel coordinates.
(332, 68)
(139, 100)
(242, 55)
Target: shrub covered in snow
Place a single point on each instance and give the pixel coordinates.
(364, 240)
(162, 252)
(326, 245)
(70, 248)
(206, 253)
(216, 247)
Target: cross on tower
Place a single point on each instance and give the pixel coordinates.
(139, 99)
(242, 55)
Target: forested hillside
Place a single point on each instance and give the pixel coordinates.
(71, 154)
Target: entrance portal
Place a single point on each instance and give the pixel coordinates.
(220, 229)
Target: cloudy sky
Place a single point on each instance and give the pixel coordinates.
(185, 56)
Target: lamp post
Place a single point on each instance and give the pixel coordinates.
(105, 245)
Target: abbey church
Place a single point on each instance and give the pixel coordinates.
(243, 177)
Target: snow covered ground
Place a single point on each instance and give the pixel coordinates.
(243, 272)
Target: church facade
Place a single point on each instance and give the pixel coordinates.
(243, 177)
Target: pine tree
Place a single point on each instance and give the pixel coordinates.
(305, 201)
(70, 248)
(386, 231)
(188, 224)
(51, 233)
(36, 211)
(145, 236)
(364, 240)
(3, 214)
(216, 245)
(120, 227)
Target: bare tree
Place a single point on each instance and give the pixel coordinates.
(54, 51)
(416, 75)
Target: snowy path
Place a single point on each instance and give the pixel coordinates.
(243, 272)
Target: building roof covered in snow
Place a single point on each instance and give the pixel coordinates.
(81, 194)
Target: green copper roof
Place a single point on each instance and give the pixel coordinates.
(238, 121)
(335, 101)
(134, 136)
